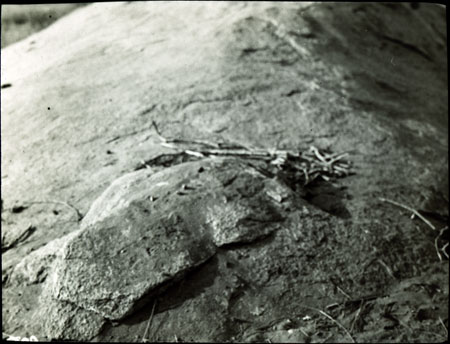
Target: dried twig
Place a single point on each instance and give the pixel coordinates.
(334, 321)
(343, 292)
(325, 340)
(436, 246)
(388, 269)
(337, 323)
(264, 327)
(309, 165)
(443, 325)
(275, 321)
(197, 154)
(443, 250)
(149, 322)
(79, 215)
(356, 316)
(415, 212)
(165, 140)
(162, 138)
(317, 154)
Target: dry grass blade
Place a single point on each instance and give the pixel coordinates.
(443, 325)
(317, 154)
(334, 321)
(306, 165)
(337, 158)
(437, 248)
(387, 267)
(168, 145)
(236, 152)
(79, 215)
(144, 340)
(443, 250)
(414, 211)
(356, 316)
(162, 138)
(436, 244)
(165, 140)
(197, 154)
(343, 292)
(340, 169)
(338, 324)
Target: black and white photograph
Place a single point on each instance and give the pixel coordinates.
(224, 172)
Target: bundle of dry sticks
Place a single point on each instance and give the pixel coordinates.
(304, 166)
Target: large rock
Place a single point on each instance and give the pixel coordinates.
(35, 267)
(62, 320)
(149, 229)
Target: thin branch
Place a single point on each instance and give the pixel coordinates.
(79, 215)
(436, 244)
(198, 142)
(443, 325)
(443, 250)
(334, 321)
(149, 322)
(356, 316)
(166, 140)
(168, 145)
(437, 248)
(337, 323)
(414, 211)
(317, 154)
(388, 269)
(306, 165)
(343, 292)
(162, 138)
(196, 154)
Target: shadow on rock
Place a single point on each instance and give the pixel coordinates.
(176, 293)
(328, 198)
(173, 295)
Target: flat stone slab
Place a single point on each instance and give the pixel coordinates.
(147, 230)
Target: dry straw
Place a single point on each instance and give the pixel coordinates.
(304, 166)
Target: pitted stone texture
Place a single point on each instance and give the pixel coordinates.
(116, 261)
(113, 199)
(248, 210)
(148, 230)
(66, 321)
(34, 268)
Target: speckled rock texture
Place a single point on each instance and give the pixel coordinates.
(147, 230)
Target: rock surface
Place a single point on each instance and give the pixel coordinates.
(156, 228)
(242, 252)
